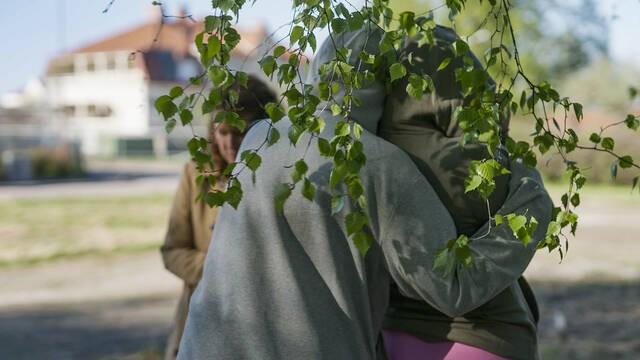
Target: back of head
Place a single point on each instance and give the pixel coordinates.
(426, 129)
(370, 95)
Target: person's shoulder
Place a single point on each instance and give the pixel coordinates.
(378, 149)
(259, 130)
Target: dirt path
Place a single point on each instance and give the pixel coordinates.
(86, 308)
(92, 308)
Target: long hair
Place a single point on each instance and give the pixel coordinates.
(250, 106)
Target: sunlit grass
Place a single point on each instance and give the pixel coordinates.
(39, 229)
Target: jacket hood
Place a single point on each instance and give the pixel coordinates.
(371, 95)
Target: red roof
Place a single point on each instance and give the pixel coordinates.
(175, 37)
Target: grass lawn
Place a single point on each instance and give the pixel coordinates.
(35, 230)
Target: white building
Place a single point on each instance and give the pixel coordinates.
(102, 94)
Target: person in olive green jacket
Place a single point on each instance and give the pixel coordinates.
(430, 132)
(191, 222)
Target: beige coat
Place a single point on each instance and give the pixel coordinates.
(185, 246)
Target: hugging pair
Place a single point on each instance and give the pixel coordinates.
(293, 286)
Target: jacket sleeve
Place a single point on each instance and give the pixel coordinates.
(179, 253)
(499, 258)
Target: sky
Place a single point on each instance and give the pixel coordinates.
(34, 31)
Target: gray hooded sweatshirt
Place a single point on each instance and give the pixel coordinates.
(293, 286)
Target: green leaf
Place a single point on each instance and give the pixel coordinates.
(517, 222)
(553, 228)
(614, 170)
(342, 128)
(464, 255)
(473, 183)
(632, 122)
(337, 204)
(460, 47)
(234, 120)
(193, 145)
(215, 198)
(274, 111)
(444, 64)
(252, 159)
(608, 143)
(441, 260)
(397, 71)
(294, 134)
(169, 125)
(164, 105)
(213, 46)
(338, 25)
(296, 34)
(324, 147)
(217, 75)
(198, 41)
(176, 91)
(418, 85)
(317, 125)
(362, 240)
(215, 97)
(355, 188)
(530, 159)
(282, 193)
(308, 190)
(210, 23)
(274, 136)
(356, 21)
(268, 65)
(577, 109)
(337, 174)
(229, 169)
(299, 170)
(231, 37)
(336, 109)
(523, 99)
(357, 131)
(499, 219)
(575, 199)
(279, 51)
(234, 194)
(595, 138)
(242, 78)
(355, 221)
(626, 162)
(312, 41)
(186, 116)
(207, 107)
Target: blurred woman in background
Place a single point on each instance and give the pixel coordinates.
(191, 222)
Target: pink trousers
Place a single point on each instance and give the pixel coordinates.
(401, 346)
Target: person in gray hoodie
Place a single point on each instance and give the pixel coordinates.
(293, 286)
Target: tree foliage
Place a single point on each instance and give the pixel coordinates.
(517, 92)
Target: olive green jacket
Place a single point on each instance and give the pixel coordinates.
(185, 246)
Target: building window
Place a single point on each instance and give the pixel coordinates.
(94, 110)
(91, 64)
(62, 66)
(111, 61)
(131, 60)
(67, 110)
